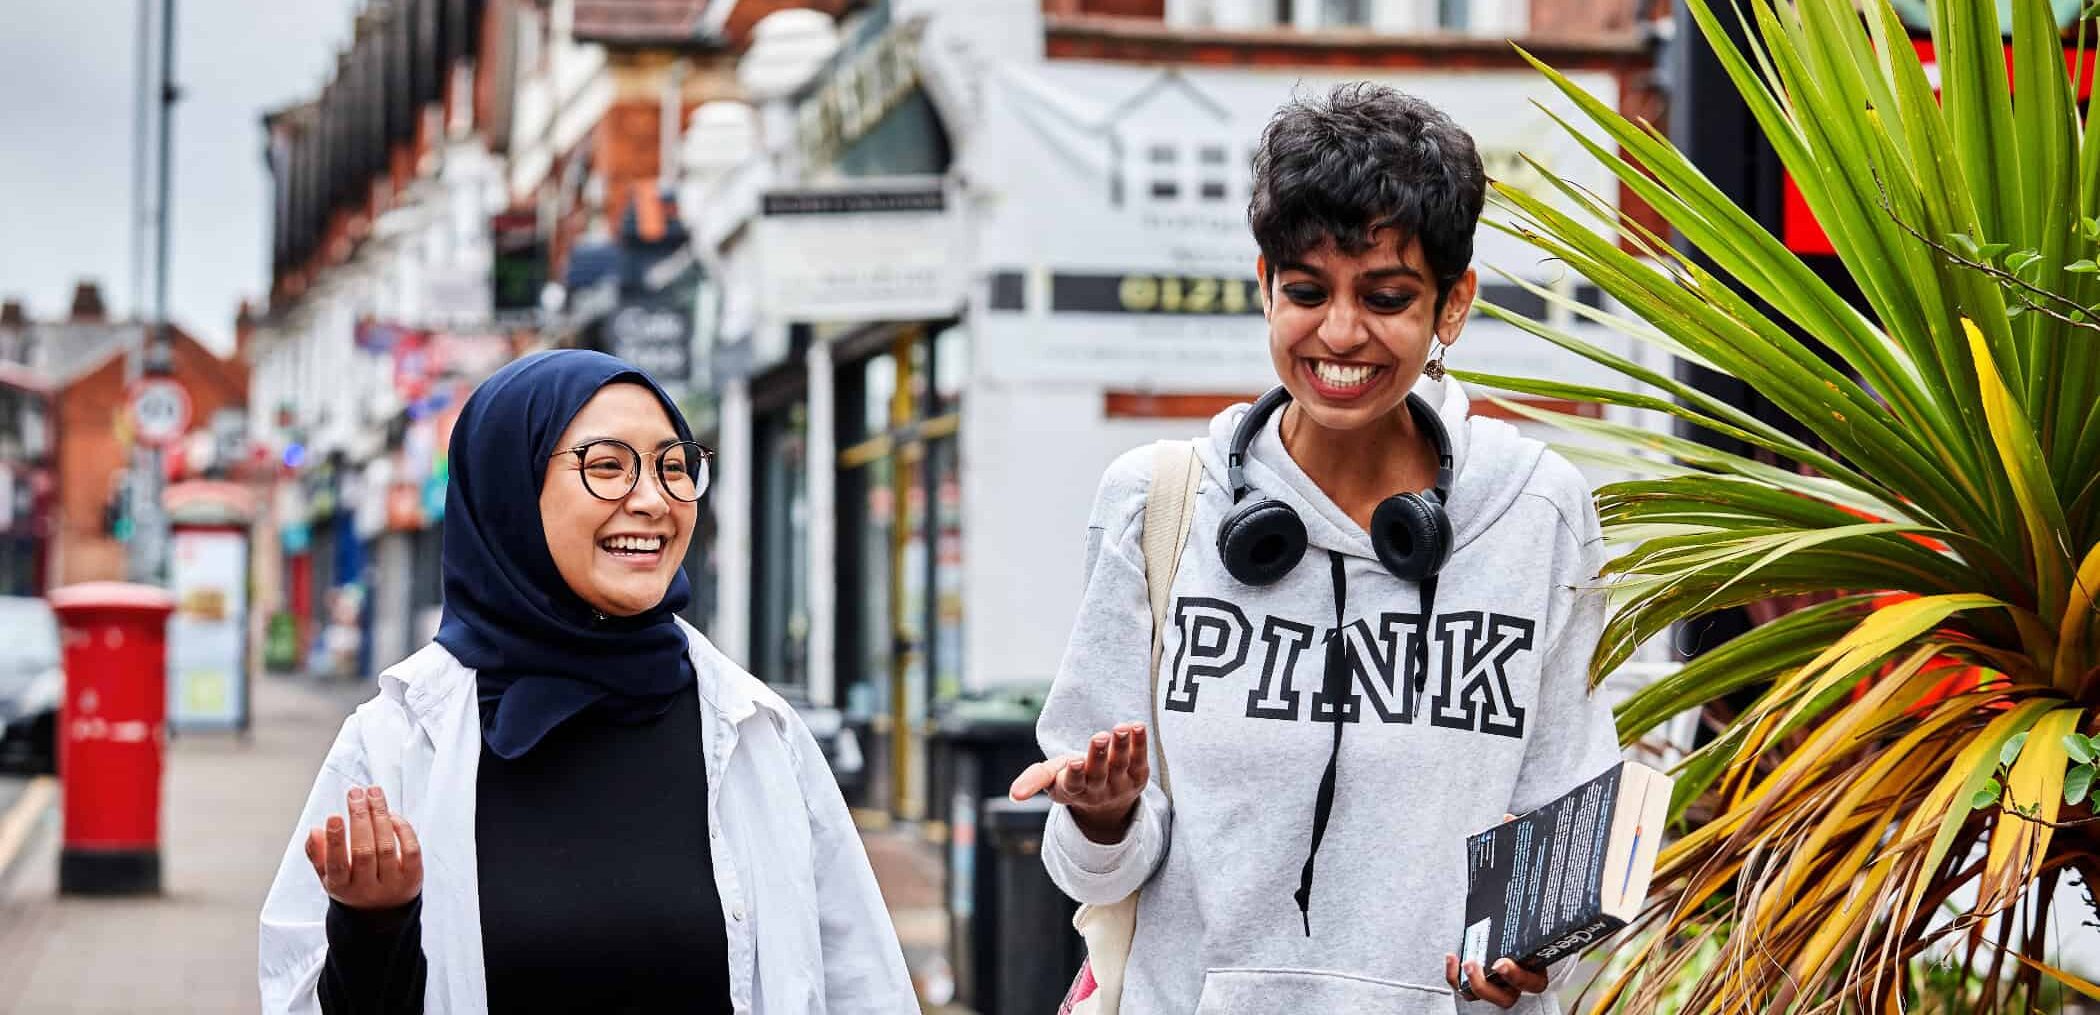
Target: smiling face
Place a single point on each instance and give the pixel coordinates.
(1350, 333)
(618, 556)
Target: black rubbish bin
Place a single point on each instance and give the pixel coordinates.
(979, 746)
(1036, 951)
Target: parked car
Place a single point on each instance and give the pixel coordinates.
(841, 745)
(31, 684)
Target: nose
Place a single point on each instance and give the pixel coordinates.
(647, 498)
(1342, 327)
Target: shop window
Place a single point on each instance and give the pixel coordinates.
(780, 545)
(951, 367)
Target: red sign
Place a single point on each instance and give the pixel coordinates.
(1799, 229)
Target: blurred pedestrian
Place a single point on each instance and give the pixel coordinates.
(570, 801)
(1440, 620)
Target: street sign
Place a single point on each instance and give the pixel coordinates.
(160, 412)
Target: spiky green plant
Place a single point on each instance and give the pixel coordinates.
(1946, 507)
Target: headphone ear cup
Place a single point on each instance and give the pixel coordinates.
(1261, 542)
(1411, 533)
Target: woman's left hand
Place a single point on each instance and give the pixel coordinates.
(1508, 982)
(1501, 988)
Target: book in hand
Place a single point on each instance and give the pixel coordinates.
(1550, 883)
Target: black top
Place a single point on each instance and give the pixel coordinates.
(597, 883)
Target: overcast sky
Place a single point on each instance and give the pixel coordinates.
(66, 87)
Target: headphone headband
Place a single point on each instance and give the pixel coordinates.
(1251, 423)
(1243, 437)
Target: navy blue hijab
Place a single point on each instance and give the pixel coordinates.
(541, 653)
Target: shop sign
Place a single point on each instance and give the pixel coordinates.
(863, 88)
(457, 294)
(657, 338)
(520, 271)
(881, 250)
(208, 575)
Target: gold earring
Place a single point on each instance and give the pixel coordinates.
(1434, 369)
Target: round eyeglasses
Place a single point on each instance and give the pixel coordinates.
(611, 468)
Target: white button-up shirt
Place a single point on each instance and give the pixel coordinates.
(806, 927)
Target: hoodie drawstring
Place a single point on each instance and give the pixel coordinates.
(1334, 685)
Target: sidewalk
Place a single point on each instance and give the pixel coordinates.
(908, 867)
(227, 809)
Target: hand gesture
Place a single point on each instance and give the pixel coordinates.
(1101, 786)
(372, 861)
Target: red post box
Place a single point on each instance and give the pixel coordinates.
(111, 730)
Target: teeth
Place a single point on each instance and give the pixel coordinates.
(640, 544)
(1342, 375)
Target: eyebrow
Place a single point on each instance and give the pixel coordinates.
(660, 445)
(1396, 271)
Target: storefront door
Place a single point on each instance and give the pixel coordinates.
(901, 539)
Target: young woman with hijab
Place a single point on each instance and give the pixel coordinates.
(1379, 632)
(570, 801)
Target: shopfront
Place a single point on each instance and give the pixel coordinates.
(979, 332)
(899, 516)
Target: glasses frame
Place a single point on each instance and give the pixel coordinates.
(706, 456)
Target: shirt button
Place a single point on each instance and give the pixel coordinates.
(737, 914)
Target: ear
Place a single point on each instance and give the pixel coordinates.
(1261, 279)
(1458, 307)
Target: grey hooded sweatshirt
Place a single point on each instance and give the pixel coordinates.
(1504, 723)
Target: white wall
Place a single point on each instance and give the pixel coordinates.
(1032, 458)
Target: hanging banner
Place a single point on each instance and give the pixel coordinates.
(207, 675)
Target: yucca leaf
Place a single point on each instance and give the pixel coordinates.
(2037, 780)
(2028, 470)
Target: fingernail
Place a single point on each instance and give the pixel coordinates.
(335, 824)
(356, 794)
(377, 793)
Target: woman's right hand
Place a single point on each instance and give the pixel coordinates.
(372, 861)
(1101, 786)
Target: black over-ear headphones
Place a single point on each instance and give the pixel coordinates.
(1262, 541)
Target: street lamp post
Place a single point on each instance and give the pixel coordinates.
(149, 558)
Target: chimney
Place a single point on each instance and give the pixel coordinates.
(12, 315)
(87, 305)
(243, 331)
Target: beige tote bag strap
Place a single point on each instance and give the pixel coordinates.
(1170, 507)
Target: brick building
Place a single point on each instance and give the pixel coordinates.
(92, 448)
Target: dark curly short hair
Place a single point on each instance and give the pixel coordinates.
(1361, 158)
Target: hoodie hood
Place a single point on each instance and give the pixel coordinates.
(1491, 464)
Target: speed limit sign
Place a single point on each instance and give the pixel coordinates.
(160, 411)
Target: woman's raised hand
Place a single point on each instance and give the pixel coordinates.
(371, 860)
(1101, 786)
